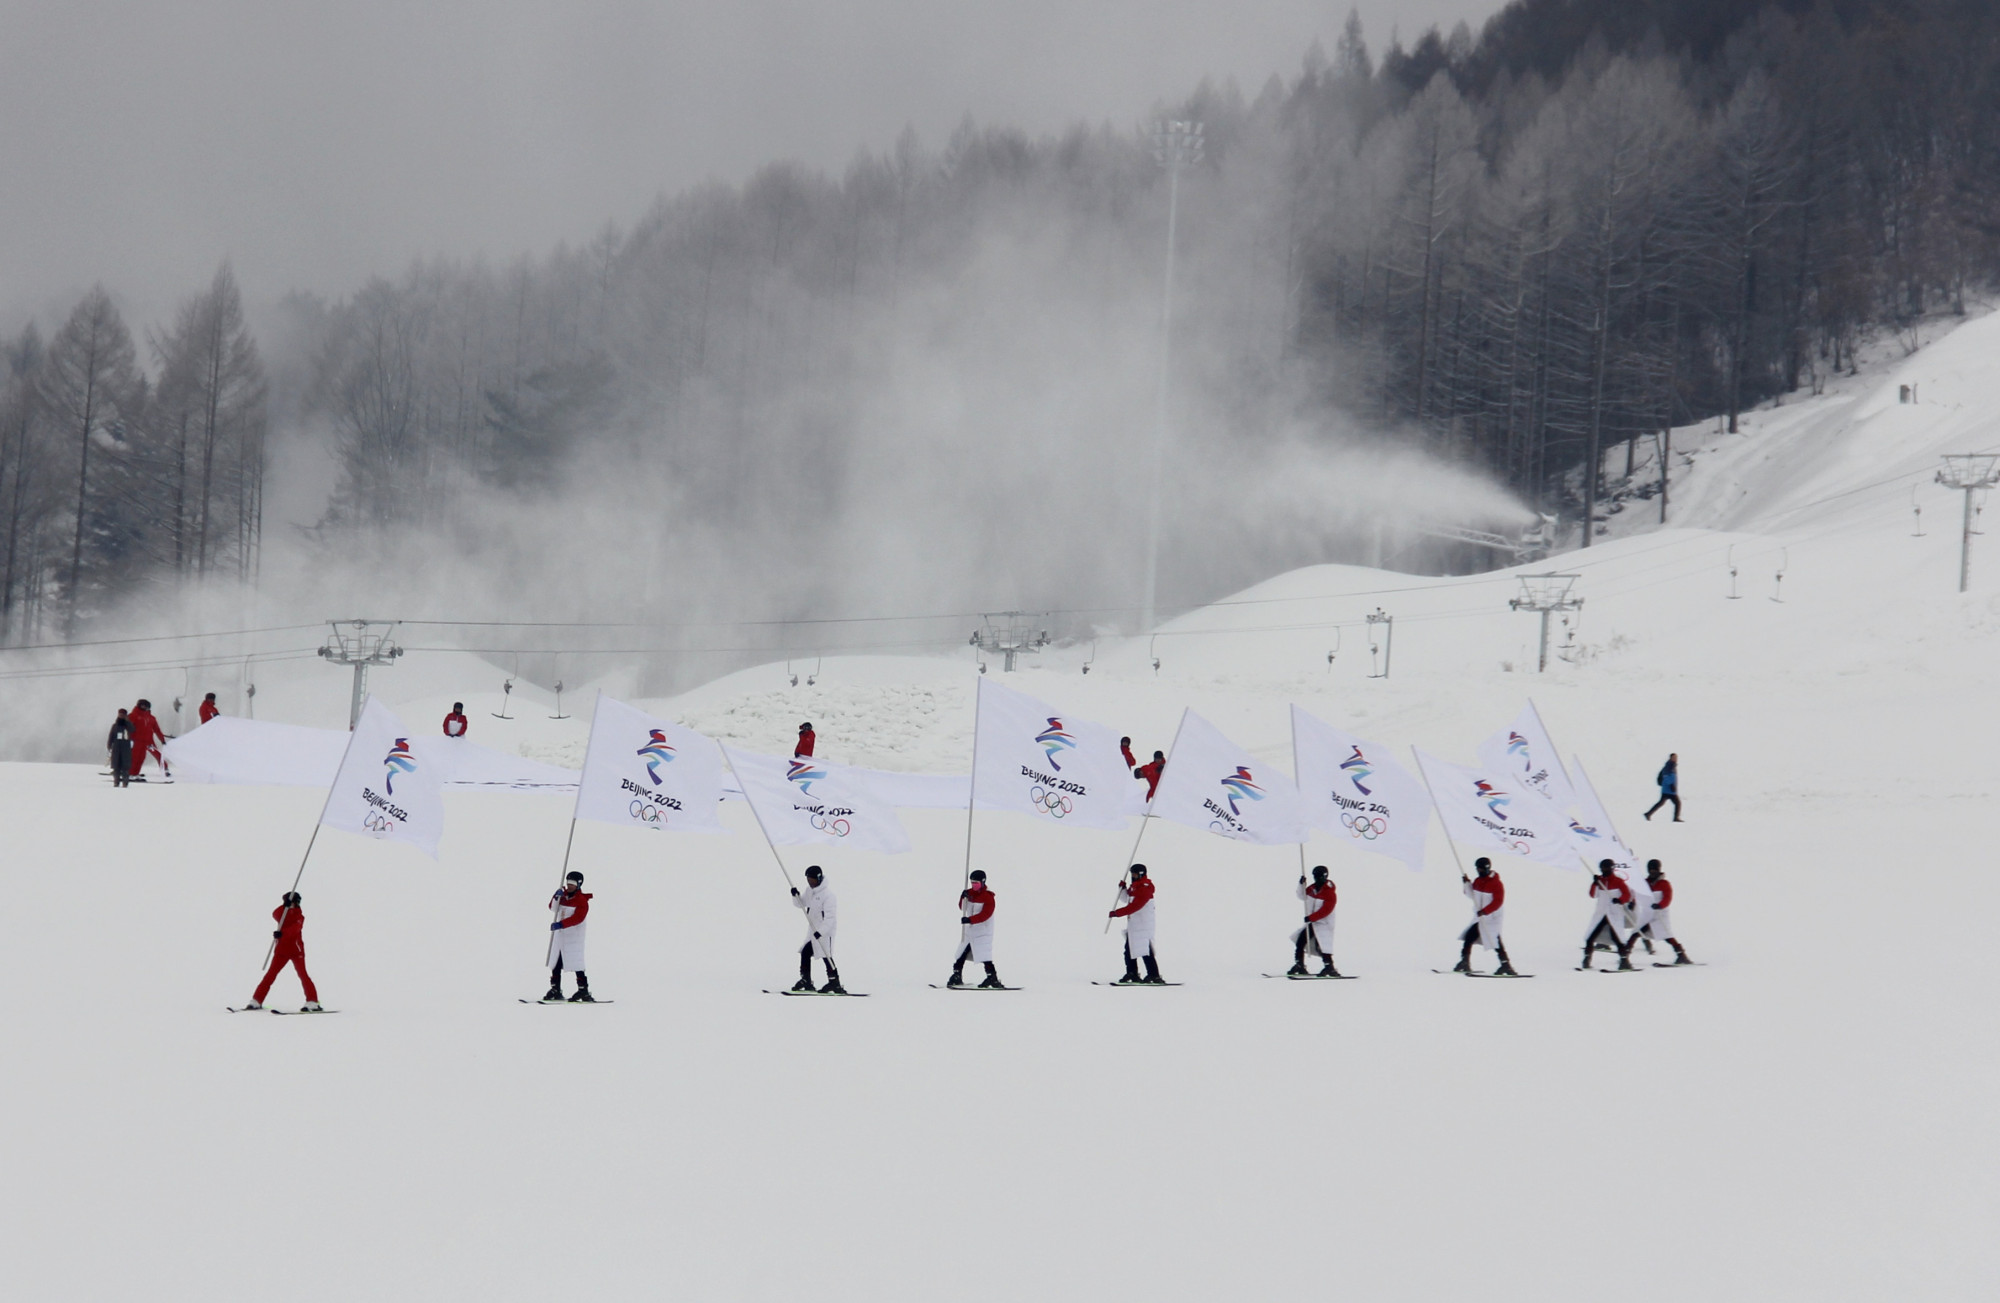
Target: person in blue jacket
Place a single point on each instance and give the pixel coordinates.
(1670, 786)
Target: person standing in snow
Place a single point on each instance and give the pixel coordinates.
(288, 947)
(1489, 900)
(1151, 772)
(1135, 906)
(1669, 779)
(209, 710)
(454, 723)
(822, 910)
(146, 738)
(807, 737)
(1610, 898)
(1317, 932)
(975, 937)
(571, 907)
(119, 743)
(1661, 926)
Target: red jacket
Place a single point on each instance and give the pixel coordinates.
(1663, 892)
(1327, 898)
(209, 710)
(458, 718)
(1617, 885)
(1141, 890)
(805, 745)
(1151, 771)
(981, 901)
(292, 929)
(1126, 747)
(146, 731)
(1490, 884)
(578, 902)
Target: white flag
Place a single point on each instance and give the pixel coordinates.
(1212, 783)
(1522, 755)
(1038, 760)
(802, 801)
(1351, 788)
(387, 788)
(643, 772)
(1485, 812)
(1590, 828)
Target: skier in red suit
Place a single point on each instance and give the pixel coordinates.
(146, 738)
(1125, 746)
(806, 739)
(454, 723)
(1151, 773)
(209, 710)
(290, 948)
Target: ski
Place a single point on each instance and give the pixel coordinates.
(836, 994)
(568, 1001)
(1453, 972)
(1137, 983)
(1692, 963)
(286, 1012)
(1582, 969)
(1315, 977)
(969, 986)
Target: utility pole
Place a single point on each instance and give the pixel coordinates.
(360, 643)
(1176, 146)
(1546, 594)
(1970, 471)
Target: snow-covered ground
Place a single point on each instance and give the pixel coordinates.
(1810, 1116)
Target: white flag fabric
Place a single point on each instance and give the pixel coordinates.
(1212, 783)
(1590, 827)
(802, 801)
(1353, 789)
(1484, 812)
(387, 788)
(643, 772)
(1037, 760)
(1522, 756)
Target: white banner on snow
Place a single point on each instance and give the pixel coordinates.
(384, 788)
(802, 801)
(1595, 837)
(1483, 811)
(1212, 783)
(1522, 756)
(643, 772)
(1351, 788)
(1037, 760)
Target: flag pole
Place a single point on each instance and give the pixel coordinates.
(972, 787)
(1552, 742)
(1131, 858)
(754, 813)
(1304, 830)
(324, 806)
(1432, 793)
(562, 877)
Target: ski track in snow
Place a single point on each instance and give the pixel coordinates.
(1806, 1117)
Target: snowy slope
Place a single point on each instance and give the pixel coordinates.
(1807, 1117)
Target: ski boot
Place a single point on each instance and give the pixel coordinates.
(254, 1004)
(1298, 969)
(1506, 968)
(804, 984)
(312, 1006)
(582, 995)
(1680, 953)
(832, 986)
(554, 994)
(957, 978)
(1153, 977)
(1589, 953)
(1624, 961)
(992, 982)
(1329, 970)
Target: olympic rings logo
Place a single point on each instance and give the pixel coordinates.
(376, 821)
(837, 826)
(1366, 827)
(646, 812)
(1050, 802)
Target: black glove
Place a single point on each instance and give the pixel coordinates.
(278, 935)
(795, 891)
(815, 936)
(1302, 879)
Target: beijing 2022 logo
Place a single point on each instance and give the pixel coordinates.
(1356, 767)
(657, 753)
(398, 761)
(1055, 740)
(805, 774)
(1241, 788)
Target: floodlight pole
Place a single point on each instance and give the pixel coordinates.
(360, 643)
(1545, 600)
(1969, 472)
(1176, 145)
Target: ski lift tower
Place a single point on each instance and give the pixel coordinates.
(360, 643)
(1546, 594)
(1007, 635)
(1970, 471)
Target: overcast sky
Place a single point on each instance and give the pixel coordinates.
(317, 143)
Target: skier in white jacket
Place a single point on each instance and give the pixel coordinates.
(1135, 906)
(822, 910)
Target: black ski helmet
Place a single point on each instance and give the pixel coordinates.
(292, 899)
(1319, 872)
(1605, 866)
(573, 876)
(978, 875)
(1138, 870)
(1652, 868)
(1482, 864)
(814, 874)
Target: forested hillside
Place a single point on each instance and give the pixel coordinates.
(933, 376)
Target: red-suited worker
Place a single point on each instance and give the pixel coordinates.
(209, 710)
(290, 948)
(146, 738)
(1151, 772)
(454, 723)
(806, 740)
